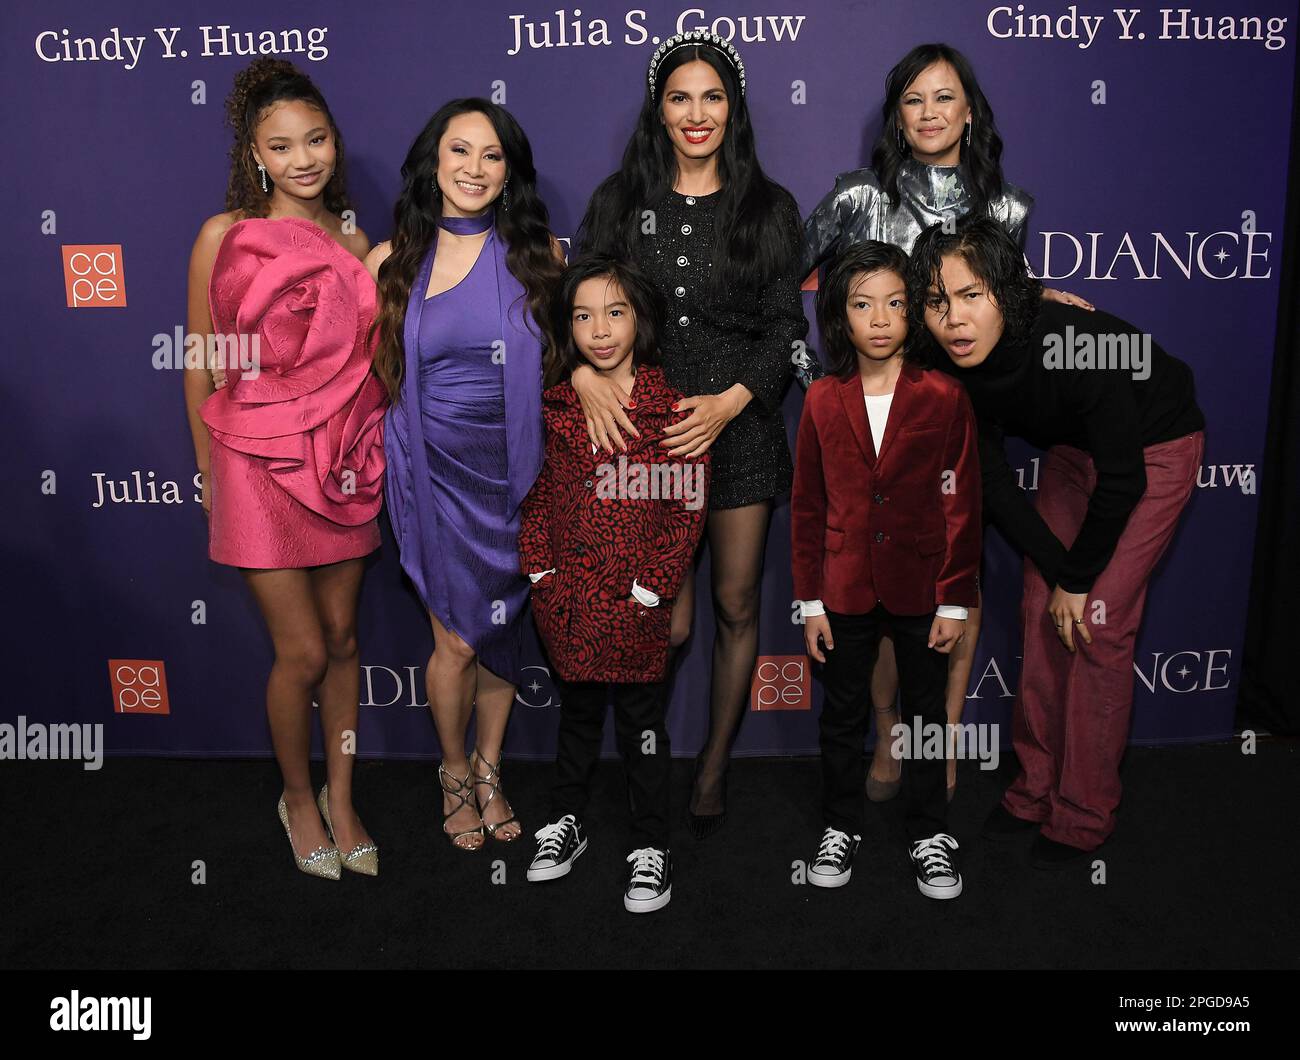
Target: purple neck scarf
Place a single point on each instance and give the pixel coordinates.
(522, 369)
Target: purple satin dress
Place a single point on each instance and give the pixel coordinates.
(456, 519)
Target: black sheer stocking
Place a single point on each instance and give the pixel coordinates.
(737, 540)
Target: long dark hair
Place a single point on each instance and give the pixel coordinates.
(645, 299)
(258, 85)
(752, 244)
(993, 256)
(982, 158)
(833, 296)
(523, 227)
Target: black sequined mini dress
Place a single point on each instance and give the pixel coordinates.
(709, 343)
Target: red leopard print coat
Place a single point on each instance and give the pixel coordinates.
(602, 521)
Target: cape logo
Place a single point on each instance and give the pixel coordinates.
(781, 682)
(92, 275)
(139, 686)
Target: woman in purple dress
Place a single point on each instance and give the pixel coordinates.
(461, 284)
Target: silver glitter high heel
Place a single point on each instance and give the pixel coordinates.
(322, 862)
(364, 857)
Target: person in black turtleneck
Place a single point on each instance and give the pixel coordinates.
(1118, 418)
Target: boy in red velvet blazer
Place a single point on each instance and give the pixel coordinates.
(885, 528)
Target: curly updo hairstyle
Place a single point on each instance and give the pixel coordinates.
(258, 86)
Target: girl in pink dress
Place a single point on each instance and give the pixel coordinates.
(287, 421)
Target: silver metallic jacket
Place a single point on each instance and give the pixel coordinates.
(858, 208)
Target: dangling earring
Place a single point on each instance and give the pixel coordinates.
(261, 169)
(437, 191)
(902, 142)
(967, 138)
(505, 201)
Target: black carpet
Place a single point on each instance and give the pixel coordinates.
(1200, 874)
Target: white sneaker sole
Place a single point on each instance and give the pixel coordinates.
(554, 872)
(931, 891)
(647, 905)
(822, 879)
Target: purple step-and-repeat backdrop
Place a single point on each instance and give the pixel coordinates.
(1154, 141)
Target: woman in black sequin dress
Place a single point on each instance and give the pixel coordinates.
(692, 206)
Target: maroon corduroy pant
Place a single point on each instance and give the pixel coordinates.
(1071, 719)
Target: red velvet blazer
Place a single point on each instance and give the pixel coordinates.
(902, 528)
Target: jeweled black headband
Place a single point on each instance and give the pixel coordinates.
(691, 39)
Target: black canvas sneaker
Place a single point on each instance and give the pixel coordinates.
(558, 847)
(935, 863)
(833, 864)
(650, 881)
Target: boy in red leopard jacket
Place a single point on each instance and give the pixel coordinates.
(606, 542)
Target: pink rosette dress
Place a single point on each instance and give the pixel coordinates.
(297, 445)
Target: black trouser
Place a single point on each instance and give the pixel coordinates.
(846, 711)
(640, 712)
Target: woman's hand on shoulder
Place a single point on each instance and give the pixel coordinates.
(1050, 294)
(377, 256)
(603, 402)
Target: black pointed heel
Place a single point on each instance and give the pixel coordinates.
(702, 826)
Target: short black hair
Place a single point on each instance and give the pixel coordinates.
(833, 298)
(993, 256)
(646, 301)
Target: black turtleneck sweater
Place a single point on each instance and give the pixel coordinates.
(1103, 411)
